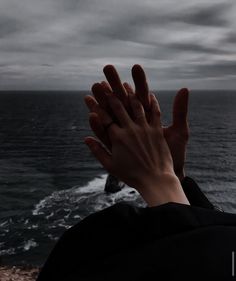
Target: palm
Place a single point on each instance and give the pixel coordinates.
(177, 140)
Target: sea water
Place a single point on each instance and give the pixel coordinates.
(49, 180)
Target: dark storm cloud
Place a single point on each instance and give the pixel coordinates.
(9, 26)
(17, 49)
(217, 69)
(230, 38)
(74, 5)
(197, 48)
(213, 15)
(197, 75)
(63, 44)
(130, 26)
(214, 70)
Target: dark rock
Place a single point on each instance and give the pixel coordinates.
(113, 184)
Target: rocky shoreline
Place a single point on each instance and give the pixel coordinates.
(18, 273)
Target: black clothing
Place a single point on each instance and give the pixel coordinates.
(168, 242)
(194, 194)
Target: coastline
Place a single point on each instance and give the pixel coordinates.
(18, 273)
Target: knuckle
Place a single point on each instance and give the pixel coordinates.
(158, 112)
(138, 109)
(115, 136)
(139, 115)
(158, 132)
(132, 130)
(116, 106)
(137, 106)
(147, 130)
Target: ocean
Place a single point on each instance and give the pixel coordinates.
(49, 180)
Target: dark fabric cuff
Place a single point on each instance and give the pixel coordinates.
(194, 194)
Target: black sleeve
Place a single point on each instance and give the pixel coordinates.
(83, 246)
(123, 242)
(194, 194)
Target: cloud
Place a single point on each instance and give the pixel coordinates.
(230, 38)
(63, 44)
(9, 26)
(217, 69)
(198, 48)
(212, 15)
(133, 24)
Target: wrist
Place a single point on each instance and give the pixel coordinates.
(180, 175)
(166, 188)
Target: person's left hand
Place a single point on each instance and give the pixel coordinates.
(176, 135)
(139, 154)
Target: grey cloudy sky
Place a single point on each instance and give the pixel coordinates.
(64, 44)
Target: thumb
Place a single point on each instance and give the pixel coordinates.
(180, 108)
(102, 155)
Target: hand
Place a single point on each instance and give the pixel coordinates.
(139, 156)
(176, 135)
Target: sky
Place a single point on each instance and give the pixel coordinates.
(64, 44)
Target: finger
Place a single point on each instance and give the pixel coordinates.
(100, 95)
(93, 106)
(137, 110)
(155, 112)
(128, 88)
(114, 80)
(99, 130)
(108, 89)
(109, 130)
(119, 111)
(91, 103)
(180, 108)
(130, 91)
(99, 152)
(141, 86)
(106, 86)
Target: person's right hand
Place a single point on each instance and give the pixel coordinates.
(139, 154)
(176, 135)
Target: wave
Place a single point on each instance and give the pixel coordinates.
(23, 247)
(64, 208)
(57, 212)
(91, 196)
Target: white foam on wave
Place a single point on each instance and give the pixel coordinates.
(63, 209)
(94, 186)
(5, 225)
(10, 251)
(86, 199)
(29, 244)
(33, 226)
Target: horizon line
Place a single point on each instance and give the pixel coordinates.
(153, 90)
